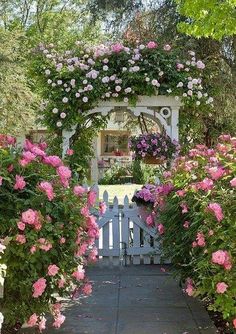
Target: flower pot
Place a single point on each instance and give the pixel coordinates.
(150, 160)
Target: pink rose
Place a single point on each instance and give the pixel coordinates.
(201, 240)
(39, 287)
(149, 220)
(21, 226)
(151, 45)
(52, 160)
(32, 320)
(161, 228)
(102, 208)
(52, 270)
(218, 257)
(186, 224)
(20, 238)
(47, 188)
(233, 182)
(234, 323)
(62, 240)
(61, 282)
(20, 183)
(216, 209)
(79, 274)
(29, 217)
(92, 197)
(64, 174)
(42, 324)
(221, 287)
(1, 179)
(70, 152)
(79, 190)
(59, 320)
(87, 289)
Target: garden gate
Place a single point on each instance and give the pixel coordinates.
(124, 237)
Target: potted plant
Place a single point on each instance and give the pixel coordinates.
(153, 148)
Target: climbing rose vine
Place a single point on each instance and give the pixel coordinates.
(47, 234)
(197, 215)
(76, 80)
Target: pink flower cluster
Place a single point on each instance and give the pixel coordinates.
(222, 258)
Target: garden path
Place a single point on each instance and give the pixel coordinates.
(134, 300)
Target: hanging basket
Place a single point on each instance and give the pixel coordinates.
(150, 160)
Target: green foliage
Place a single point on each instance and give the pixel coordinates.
(194, 231)
(212, 18)
(116, 175)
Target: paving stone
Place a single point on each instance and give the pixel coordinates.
(133, 300)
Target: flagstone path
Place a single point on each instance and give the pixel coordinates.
(134, 300)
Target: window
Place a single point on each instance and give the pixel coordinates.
(37, 136)
(114, 142)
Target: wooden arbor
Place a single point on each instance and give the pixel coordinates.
(164, 110)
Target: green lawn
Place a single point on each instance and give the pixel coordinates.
(119, 190)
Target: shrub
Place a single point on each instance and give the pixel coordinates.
(47, 230)
(199, 223)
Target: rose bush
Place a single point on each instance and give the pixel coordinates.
(46, 223)
(76, 80)
(198, 215)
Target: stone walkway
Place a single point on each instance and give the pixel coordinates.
(134, 300)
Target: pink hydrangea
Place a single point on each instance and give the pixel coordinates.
(47, 188)
(32, 320)
(216, 209)
(151, 45)
(20, 183)
(39, 287)
(59, 319)
(221, 287)
(65, 174)
(53, 270)
(79, 190)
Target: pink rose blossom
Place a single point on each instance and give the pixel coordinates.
(102, 208)
(93, 255)
(62, 240)
(29, 217)
(47, 188)
(61, 282)
(92, 197)
(161, 228)
(222, 258)
(20, 183)
(87, 289)
(32, 320)
(20, 238)
(52, 160)
(21, 226)
(65, 174)
(79, 274)
(221, 287)
(39, 287)
(42, 324)
(201, 240)
(190, 288)
(186, 224)
(79, 190)
(184, 207)
(234, 323)
(53, 270)
(233, 182)
(85, 211)
(70, 152)
(33, 249)
(1, 179)
(59, 320)
(216, 209)
(149, 220)
(151, 45)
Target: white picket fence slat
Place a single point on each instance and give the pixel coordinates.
(124, 237)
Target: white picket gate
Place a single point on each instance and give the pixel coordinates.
(124, 237)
